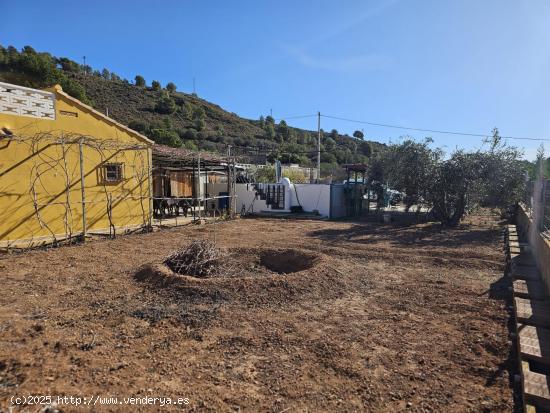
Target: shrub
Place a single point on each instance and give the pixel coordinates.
(138, 126)
(74, 89)
(155, 85)
(166, 137)
(165, 105)
(208, 146)
(358, 135)
(365, 148)
(191, 145)
(68, 65)
(190, 134)
(296, 176)
(140, 81)
(199, 124)
(265, 175)
(170, 87)
(198, 112)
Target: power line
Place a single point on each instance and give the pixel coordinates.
(296, 117)
(384, 125)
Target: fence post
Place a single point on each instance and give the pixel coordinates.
(150, 183)
(200, 185)
(82, 190)
(545, 205)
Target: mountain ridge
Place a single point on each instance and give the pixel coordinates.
(175, 118)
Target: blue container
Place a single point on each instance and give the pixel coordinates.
(223, 203)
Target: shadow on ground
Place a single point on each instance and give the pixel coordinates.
(501, 290)
(430, 234)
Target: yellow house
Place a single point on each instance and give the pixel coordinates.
(67, 170)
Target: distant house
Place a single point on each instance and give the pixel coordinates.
(67, 170)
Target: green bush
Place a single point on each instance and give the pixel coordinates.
(140, 81)
(358, 135)
(199, 124)
(170, 87)
(74, 89)
(165, 105)
(191, 145)
(198, 112)
(155, 85)
(166, 137)
(68, 65)
(138, 126)
(208, 146)
(190, 134)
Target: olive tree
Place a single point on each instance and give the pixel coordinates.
(410, 167)
(493, 177)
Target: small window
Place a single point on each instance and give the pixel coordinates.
(113, 172)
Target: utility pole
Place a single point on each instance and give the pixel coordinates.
(84, 58)
(318, 147)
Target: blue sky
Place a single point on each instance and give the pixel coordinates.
(464, 65)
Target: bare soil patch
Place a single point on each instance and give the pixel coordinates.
(323, 316)
(287, 260)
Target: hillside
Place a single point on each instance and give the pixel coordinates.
(128, 104)
(179, 119)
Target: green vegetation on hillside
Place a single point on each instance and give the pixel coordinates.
(32, 69)
(180, 119)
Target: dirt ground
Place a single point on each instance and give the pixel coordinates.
(388, 318)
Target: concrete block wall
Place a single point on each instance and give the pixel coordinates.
(539, 245)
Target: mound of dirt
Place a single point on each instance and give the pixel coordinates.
(202, 259)
(254, 277)
(159, 275)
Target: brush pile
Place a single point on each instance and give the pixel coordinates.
(200, 259)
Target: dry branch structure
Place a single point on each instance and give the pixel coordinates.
(201, 258)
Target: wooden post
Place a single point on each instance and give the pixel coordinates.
(193, 191)
(112, 228)
(229, 195)
(150, 182)
(82, 190)
(199, 179)
(207, 193)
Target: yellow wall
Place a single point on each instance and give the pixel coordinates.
(40, 185)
